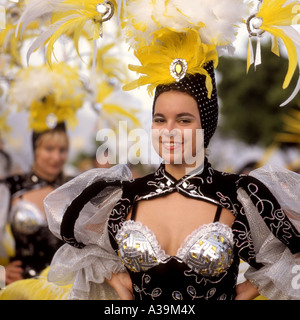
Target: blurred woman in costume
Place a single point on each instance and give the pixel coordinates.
(34, 244)
(51, 97)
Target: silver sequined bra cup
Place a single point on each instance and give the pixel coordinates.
(26, 218)
(208, 251)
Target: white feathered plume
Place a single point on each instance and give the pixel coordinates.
(216, 20)
(71, 17)
(35, 10)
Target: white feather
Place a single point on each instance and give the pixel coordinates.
(221, 18)
(35, 83)
(41, 39)
(34, 10)
(30, 87)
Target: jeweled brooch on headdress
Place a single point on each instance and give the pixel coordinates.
(178, 69)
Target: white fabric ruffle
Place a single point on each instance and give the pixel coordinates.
(88, 267)
(4, 209)
(276, 280)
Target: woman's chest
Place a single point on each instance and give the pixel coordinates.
(174, 217)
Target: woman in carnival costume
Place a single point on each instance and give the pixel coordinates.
(48, 97)
(179, 233)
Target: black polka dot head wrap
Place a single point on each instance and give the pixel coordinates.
(194, 85)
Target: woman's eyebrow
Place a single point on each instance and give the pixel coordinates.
(185, 114)
(158, 115)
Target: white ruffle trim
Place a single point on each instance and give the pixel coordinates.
(87, 268)
(276, 280)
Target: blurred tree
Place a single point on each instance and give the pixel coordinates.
(250, 103)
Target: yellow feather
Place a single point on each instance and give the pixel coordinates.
(276, 13)
(291, 50)
(113, 109)
(275, 47)
(168, 45)
(249, 55)
(70, 25)
(35, 289)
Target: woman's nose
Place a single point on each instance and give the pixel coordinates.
(56, 155)
(170, 126)
(170, 130)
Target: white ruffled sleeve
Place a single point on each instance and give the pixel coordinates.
(277, 279)
(86, 268)
(4, 210)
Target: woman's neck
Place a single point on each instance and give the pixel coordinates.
(179, 171)
(43, 175)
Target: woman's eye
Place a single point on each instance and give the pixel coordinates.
(158, 120)
(184, 120)
(63, 150)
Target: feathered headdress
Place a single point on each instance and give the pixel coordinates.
(277, 17)
(175, 38)
(68, 17)
(10, 43)
(169, 58)
(213, 24)
(49, 95)
(166, 27)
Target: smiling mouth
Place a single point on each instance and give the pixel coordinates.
(171, 145)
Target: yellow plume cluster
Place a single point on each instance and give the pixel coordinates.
(111, 110)
(73, 18)
(109, 65)
(291, 126)
(49, 95)
(10, 42)
(168, 45)
(277, 17)
(273, 14)
(35, 289)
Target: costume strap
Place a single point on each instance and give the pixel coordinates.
(218, 213)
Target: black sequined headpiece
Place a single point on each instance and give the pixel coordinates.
(194, 85)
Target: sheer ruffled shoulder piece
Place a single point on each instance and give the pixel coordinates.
(4, 209)
(276, 280)
(4, 206)
(87, 267)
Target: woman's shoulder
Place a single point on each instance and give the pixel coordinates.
(138, 185)
(227, 178)
(238, 180)
(17, 182)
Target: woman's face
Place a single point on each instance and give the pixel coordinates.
(177, 134)
(51, 154)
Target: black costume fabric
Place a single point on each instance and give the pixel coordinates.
(210, 184)
(194, 85)
(174, 279)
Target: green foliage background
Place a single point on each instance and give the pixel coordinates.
(250, 103)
